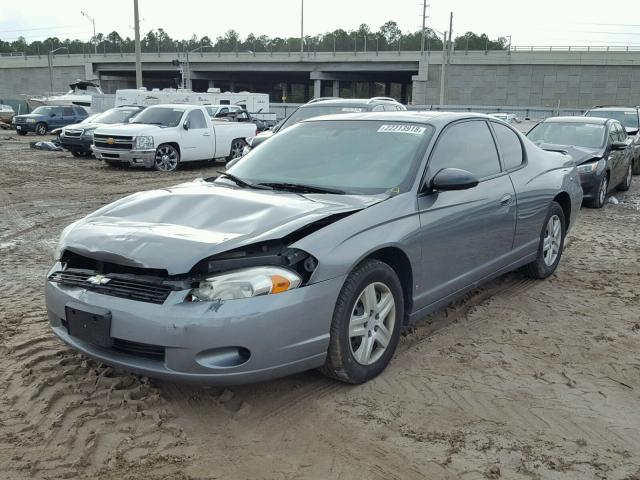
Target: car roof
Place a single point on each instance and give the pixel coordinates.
(614, 109)
(410, 116)
(586, 120)
(351, 102)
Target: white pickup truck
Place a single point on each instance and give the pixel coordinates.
(163, 136)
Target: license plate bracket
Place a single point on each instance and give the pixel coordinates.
(89, 324)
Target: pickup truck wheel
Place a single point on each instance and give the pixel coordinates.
(41, 128)
(237, 146)
(167, 158)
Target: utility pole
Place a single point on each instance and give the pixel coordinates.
(136, 20)
(301, 27)
(94, 30)
(444, 67)
(449, 47)
(424, 26)
(50, 61)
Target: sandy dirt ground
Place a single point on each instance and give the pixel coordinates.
(522, 380)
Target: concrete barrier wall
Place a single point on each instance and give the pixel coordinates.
(32, 81)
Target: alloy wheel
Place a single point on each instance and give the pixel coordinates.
(552, 239)
(602, 192)
(166, 158)
(372, 322)
(236, 149)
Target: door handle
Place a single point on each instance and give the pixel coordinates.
(506, 200)
(206, 134)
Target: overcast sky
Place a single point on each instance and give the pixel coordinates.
(539, 22)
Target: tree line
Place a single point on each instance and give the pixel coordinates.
(388, 37)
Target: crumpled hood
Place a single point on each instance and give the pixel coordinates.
(579, 154)
(175, 228)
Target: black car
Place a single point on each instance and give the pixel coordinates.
(78, 138)
(328, 106)
(600, 147)
(629, 117)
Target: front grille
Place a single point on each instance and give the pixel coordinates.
(73, 133)
(20, 121)
(120, 142)
(154, 352)
(139, 290)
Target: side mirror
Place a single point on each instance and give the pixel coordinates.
(619, 145)
(453, 179)
(632, 131)
(52, 115)
(186, 125)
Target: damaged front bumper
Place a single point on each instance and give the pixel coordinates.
(221, 343)
(139, 158)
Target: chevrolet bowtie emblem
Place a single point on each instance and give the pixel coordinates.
(98, 280)
(110, 141)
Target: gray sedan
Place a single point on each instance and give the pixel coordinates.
(311, 251)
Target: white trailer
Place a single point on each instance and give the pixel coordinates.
(257, 104)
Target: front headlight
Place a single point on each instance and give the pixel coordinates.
(246, 283)
(88, 132)
(31, 120)
(588, 167)
(144, 143)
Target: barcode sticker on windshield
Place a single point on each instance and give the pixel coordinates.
(412, 129)
(352, 109)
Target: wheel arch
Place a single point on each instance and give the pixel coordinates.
(398, 260)
(564, 200)
(175, 145)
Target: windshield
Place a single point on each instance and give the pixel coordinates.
(166, 116)
(628, 119)
(46, 110)
(115, 115)
(357, 157)
(303, 113)
(586, 135)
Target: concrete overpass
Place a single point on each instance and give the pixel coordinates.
(532, 77)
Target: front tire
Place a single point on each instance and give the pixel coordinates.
(237, 146)
(366, 323)
(551, 244)
(77, 154)
(626, 183)
(41, 129)
(22, 133)
(167, 158)
(601, 194)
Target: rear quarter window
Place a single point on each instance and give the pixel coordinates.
(510, 146)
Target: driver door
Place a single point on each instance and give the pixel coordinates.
(197, 140)
(465, 235)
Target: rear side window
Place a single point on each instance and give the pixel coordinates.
(510, 146)
(622, 133)
(469, 146)
(68, 112)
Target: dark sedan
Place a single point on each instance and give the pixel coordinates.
(600, 147)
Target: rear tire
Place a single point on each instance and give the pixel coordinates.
(551, 244)
(41, 129)
(366, 323)
(626, 183)
(77, 154)
(237, 146)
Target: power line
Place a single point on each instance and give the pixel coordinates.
(39, 28)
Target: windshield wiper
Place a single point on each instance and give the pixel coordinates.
(240, 182)
(301, 188)
(151, 123)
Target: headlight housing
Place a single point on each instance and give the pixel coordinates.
(88, 132)
(588, 167)
(58, 251)
(246, 283)
(144, 143)
(31, 120)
